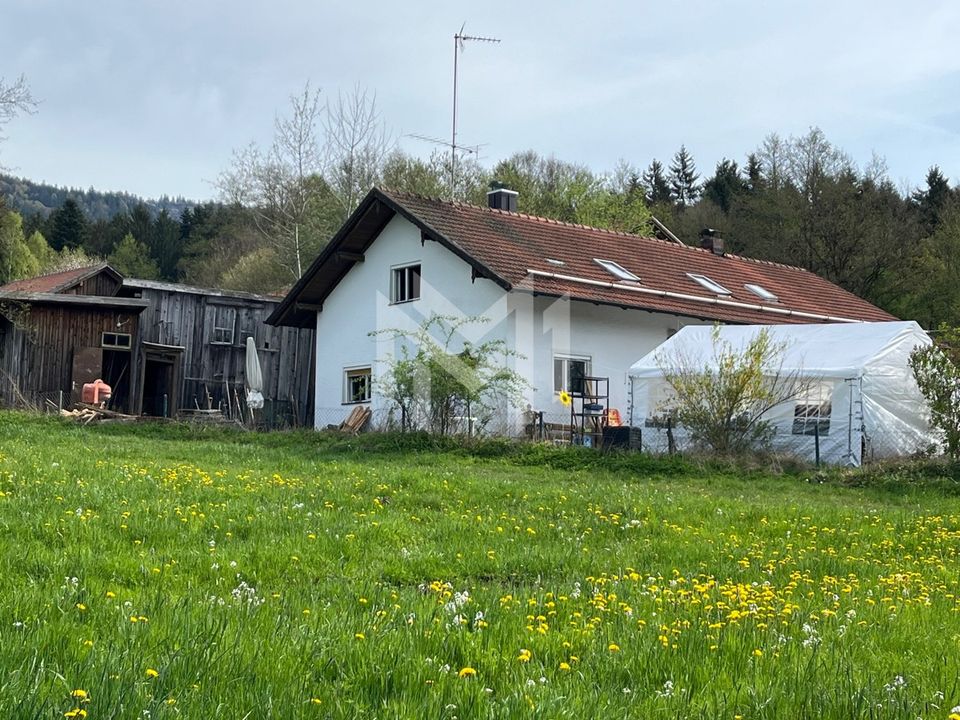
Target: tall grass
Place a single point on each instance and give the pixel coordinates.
(170, 572)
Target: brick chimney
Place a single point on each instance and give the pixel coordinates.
(711, 240)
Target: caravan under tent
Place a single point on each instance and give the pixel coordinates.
(859, 398)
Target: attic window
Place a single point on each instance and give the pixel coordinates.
(761, 292)
(615, 269)
(708, 284)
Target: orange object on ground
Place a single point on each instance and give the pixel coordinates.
(96, 392)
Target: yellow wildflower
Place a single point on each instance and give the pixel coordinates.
(565, 667)
(359, 636)
(613, 647)
(758, 652)
(467, 672)
(524, 655)
(80, 694)
(151, 673)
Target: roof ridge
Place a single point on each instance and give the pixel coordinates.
(581, 226)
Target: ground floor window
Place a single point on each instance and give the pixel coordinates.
(357, 385)
(811, 415)
(569, 371)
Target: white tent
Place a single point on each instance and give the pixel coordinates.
(860, 400)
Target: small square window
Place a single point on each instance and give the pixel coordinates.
(708, 284)
(761, 292)
(616, 270)
(357, 385)
(224, 324)
(405, 283)
(568, 373)
(811, 416)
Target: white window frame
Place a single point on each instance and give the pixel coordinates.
(405, 272)
(708, 284)
(616, 269)
(221, 327)
(566, 358)
(352, 372)
(761, 292)
(813, 409)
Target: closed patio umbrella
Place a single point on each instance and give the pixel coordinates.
(254, 377)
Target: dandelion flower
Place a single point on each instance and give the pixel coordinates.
(758, 652)
(359, 636)
(80, 694)
(151, 673)
(613, 647)
(524, 655)
(467, 672)
(565, 667)
(75, 713)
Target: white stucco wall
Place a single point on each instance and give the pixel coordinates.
(538, 328)
(611, 338)
(360, 304)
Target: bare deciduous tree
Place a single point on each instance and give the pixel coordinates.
(282, 183)
(322, 160)
(15, 98)
(357, 146)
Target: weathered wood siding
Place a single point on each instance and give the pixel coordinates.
(102, 284)
(38, 342)
(215, 367)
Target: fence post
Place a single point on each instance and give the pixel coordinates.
(60, 402)
(816, 441)
(164, 404)
(671, 442)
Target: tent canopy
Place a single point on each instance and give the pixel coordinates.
(838, 350)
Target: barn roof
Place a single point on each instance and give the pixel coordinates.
(532, 254)
(59, 282)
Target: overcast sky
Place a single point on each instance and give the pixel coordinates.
(151, 97)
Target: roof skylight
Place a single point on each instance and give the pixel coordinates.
(616, 269)
(708, 284)
(761, 292)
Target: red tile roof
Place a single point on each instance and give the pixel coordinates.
(512, 244)
(52, 283)
(514, 250)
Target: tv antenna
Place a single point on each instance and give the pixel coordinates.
(459, 40)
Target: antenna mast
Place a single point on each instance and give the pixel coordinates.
(459, 39)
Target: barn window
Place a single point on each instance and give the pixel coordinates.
(357, 385)
(811, 415)
(224, 325)
(405, 283)
(569, 371)
(115, 341)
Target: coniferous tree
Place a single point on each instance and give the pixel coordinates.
(725, 185)
(69, 227)
(683, 178)
(655, 181)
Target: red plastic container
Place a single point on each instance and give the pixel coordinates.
(96, 392)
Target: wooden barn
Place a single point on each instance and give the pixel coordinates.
(164, 348)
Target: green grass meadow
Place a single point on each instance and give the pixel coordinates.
(161, 571)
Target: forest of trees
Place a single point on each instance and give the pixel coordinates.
(797, 200)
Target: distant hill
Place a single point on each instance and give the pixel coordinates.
(28, 198)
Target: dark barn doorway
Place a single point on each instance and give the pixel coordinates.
(160, 380)
(116, 369)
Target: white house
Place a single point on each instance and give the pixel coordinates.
(570, 300)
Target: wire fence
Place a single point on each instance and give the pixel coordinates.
(840, 446)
